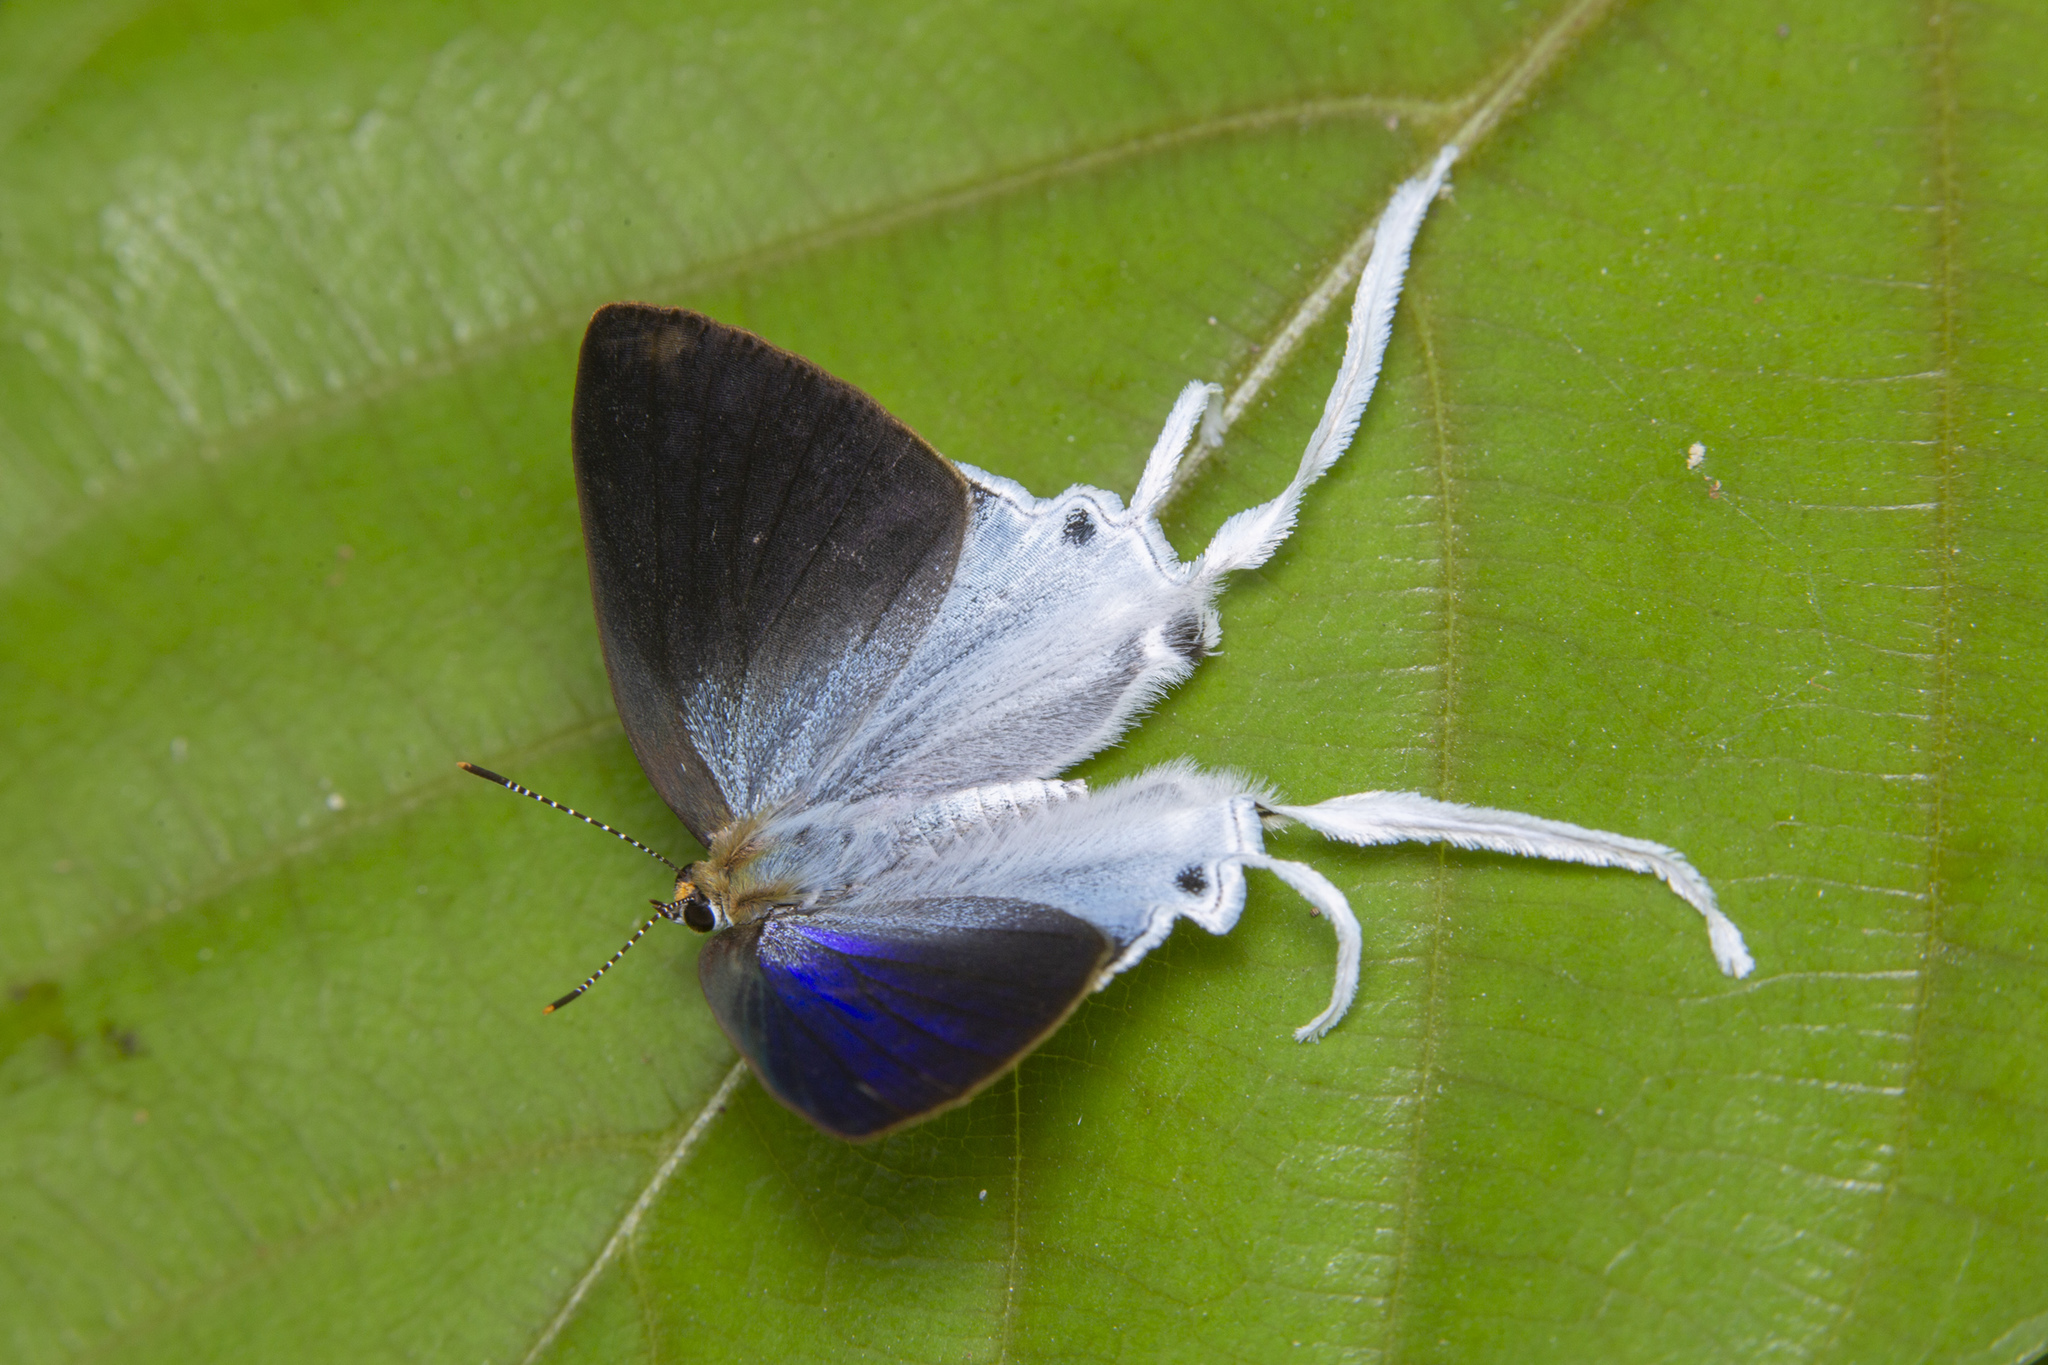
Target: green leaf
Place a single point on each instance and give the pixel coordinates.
(289, 301)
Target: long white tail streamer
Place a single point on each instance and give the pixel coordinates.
(1407, 817)
(1248, 539)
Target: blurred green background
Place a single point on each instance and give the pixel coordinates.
(289, 303)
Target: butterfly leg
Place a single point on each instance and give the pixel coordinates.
(1323, 894)
(1406, 817)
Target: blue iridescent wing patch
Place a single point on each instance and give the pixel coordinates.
(866, 1019)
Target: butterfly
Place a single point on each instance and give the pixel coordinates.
(855, 670)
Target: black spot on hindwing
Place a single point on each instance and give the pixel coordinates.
(1184, 637)
(1080, 528)
(1192, 880)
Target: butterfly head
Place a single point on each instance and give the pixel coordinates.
(691, 907)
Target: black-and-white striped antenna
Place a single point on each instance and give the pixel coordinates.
(662, 910)
(509, 785)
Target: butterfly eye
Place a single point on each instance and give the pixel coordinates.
(697, 913)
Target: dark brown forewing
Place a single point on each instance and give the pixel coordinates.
(766, 545)
(866, 1018)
